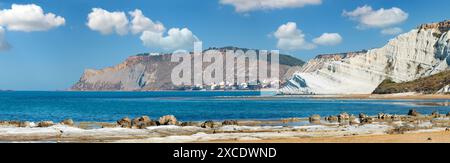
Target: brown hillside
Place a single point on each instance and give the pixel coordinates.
(427, 85)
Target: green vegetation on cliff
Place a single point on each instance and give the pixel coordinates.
(427, 85)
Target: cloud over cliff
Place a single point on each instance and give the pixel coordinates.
(290, 37)
(382, 18)
(107, 22)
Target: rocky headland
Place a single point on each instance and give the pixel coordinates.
(147, 72)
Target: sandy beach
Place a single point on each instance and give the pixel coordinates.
(418, 137)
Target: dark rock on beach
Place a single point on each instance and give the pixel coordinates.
(314, 119)
(332, 118)
(184, 124)
(208, 124)
(362, 116)
(45, 124)
(413, 112)
(124, 122)
(143, 122)
(435, 114)
(68, 122)
(367, 120)
(168, 120)
(396, 118)
(382, 116)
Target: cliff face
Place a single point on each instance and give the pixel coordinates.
(419, 53)
(136, 73)
(146, 73)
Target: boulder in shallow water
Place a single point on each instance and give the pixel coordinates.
(143, 122)
(343, 117)
(230, 123)
(143, 125)
(314, 119)
(386, 117)
(124, 122)
(332, 118)
(67, 122)
(45, 124)
(168, 120)
(367, 120)
(413, 112)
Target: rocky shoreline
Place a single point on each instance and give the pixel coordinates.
(168, 129)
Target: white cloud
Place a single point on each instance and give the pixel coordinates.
(381, 18)
(29, 18)
(107, 22)
(140, 23)
(152, 33)
(252, 5)
(4, 45)
(176, 39)
(392, 31)
(291, 38)
(328, 39)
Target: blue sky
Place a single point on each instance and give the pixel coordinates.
(55, 57)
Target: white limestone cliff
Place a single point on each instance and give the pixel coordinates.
(419, 53)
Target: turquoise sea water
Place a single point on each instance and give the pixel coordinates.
(189, 106)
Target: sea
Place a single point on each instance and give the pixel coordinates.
(192, 106)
